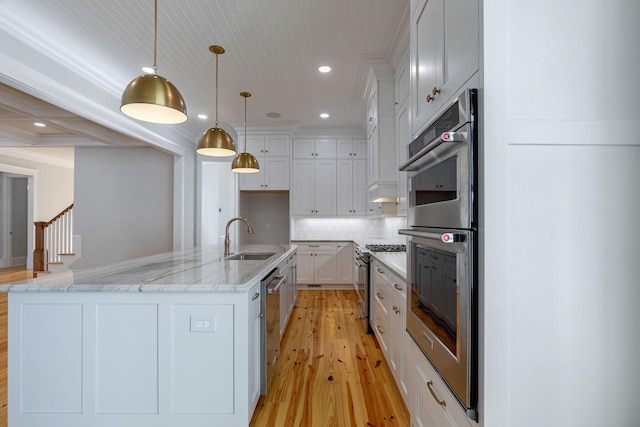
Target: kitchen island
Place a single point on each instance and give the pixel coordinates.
(166, 340)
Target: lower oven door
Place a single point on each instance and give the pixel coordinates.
(441, 307)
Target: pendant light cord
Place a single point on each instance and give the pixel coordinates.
(245, 124)
(216, 89)
(155, 38)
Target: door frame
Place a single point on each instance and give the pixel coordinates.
(32, 179)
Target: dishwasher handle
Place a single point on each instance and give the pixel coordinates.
(280, 280)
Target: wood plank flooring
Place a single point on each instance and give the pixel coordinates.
(7, 275)
(330, 372)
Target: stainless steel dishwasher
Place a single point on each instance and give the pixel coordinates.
(271, 325)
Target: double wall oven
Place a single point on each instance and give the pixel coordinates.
(442, 246)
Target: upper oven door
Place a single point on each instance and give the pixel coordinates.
(441, 183)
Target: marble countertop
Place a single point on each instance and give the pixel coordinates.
(397, 261)
(200, 269)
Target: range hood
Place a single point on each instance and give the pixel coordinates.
(383, 192)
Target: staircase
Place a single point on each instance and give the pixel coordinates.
(55, 243)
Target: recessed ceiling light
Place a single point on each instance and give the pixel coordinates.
(202, 116)
(324, 68)
(39, 124)
(324, 115)
(273, 115)
(148, 70)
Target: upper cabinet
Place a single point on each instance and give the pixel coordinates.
(444, 54)
(314, 148)
(273, 153)
(354, 149)
(381, 135)
(403, 127)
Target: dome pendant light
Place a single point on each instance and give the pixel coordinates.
(216, 141)
(245, 162)
(152, 98)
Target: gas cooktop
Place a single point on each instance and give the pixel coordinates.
(386, 248)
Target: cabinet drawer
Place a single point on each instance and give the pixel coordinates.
(382, 298)
(448, 414)
(380, 327)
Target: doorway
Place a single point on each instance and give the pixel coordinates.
(16, 216)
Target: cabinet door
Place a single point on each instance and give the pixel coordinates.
(325, 187)
(359, 148)
(345, 148)
(345, 188)
(302, 188)
(255, 145)
(403, 131)
(373, 148)
(345, 263)
(305, 267)
(303, 148)
(325, 266)
(427, 47)
(276, 146)
(359, 198)
(253, 181)
(325, 148)
(276, 173)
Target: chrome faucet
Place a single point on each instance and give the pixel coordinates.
(227, 240)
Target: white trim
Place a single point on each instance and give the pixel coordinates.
(26, 154)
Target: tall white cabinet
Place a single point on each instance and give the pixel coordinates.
(273, 153)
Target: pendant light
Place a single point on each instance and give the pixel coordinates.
(245, 162)
(216, 141)
(152, 98)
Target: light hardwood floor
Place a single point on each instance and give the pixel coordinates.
(7, 275)
(330, 372)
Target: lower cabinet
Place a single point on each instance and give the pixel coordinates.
(255, 368)
(324, 263)
(389, 315)
(431, 402)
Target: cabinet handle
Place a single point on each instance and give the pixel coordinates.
(430, 98)
(396, 310)
(371, 118)
(380, 270)
(314, 246)
(256, 296)
(379, 329)
(379, 296)
(433, 393)
(398, 287)
(435, 91)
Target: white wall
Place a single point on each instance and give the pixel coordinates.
(216, 199)
(560, 237)
(123, 203)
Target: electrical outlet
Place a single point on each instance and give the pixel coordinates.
(203, 324)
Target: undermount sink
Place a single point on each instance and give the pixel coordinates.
(250, 256)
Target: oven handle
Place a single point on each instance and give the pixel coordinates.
(412, 164)
(359, 262)
(442, 237)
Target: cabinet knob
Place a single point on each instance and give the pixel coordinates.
(370, 119)
(435, 91)
(430, 98)
(381, 271)
(256, 296)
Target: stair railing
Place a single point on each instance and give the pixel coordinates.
(53, 238)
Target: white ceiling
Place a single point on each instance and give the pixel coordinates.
(273, 49)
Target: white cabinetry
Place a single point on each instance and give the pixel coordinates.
(324, 263)
(355, 148)
(314, 148)
(313, 192)
(254, 323)
(403, 129)
(431, 402)
(273, 153)
(444, 54)
(389, 307)
(351, 191)
(381, 143)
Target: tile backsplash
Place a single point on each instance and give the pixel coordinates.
(357, 229)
